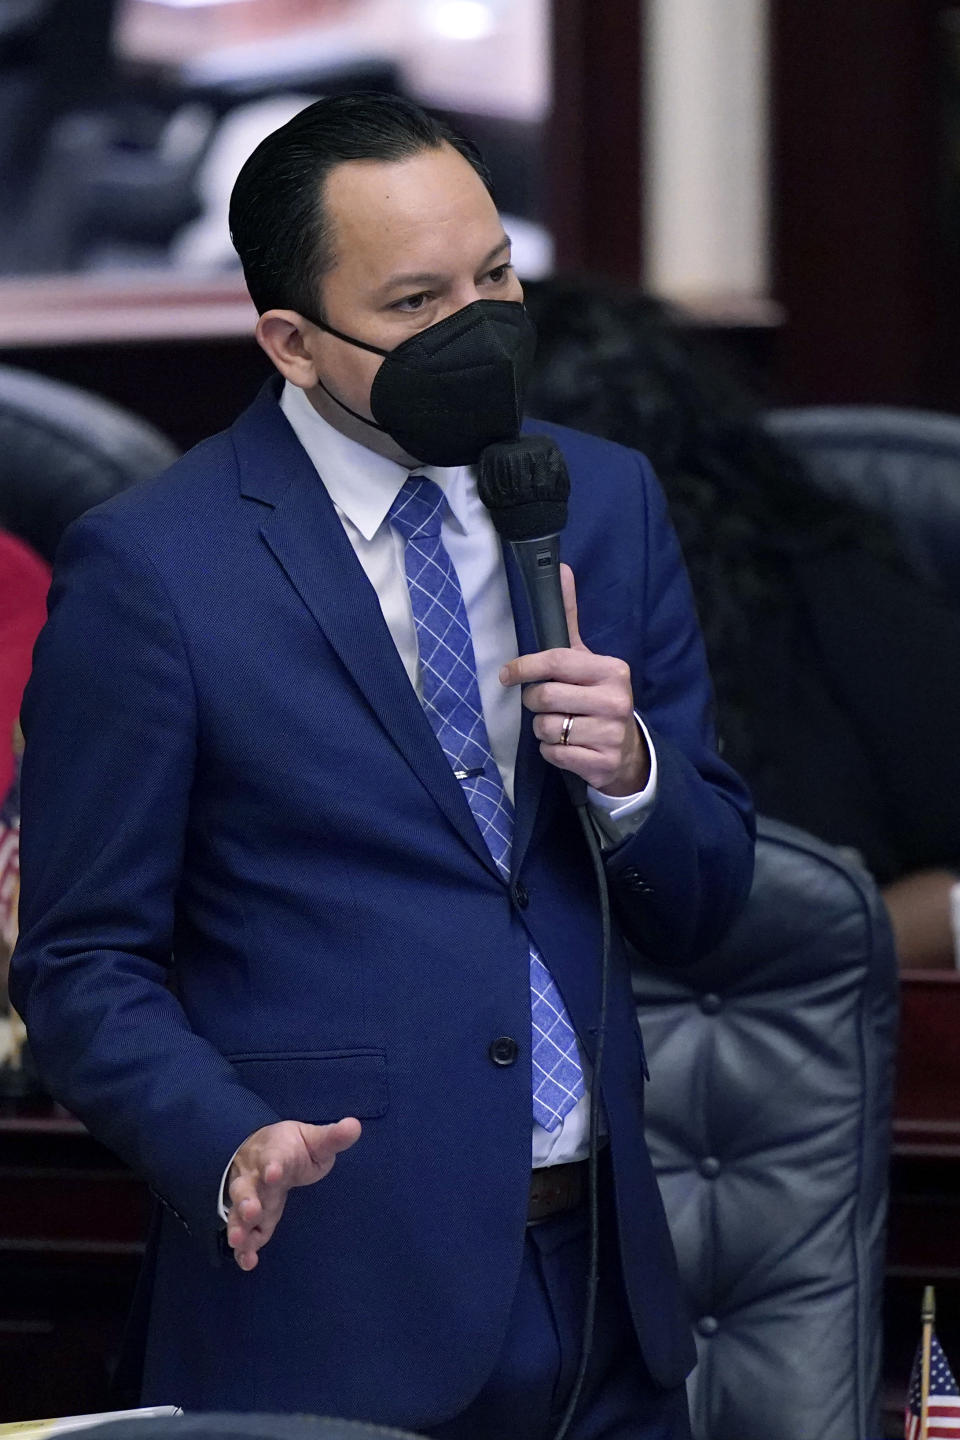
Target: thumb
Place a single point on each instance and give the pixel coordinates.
(324, 1142)
(569, 588)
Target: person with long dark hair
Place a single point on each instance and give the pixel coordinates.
(836, 670)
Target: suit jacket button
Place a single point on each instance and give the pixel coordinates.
(521, 896)
(503, 1050)
(634, 881)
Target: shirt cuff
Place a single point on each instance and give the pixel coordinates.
(616, 817)
(222, 1195)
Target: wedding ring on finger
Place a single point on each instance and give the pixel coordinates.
(565, 729)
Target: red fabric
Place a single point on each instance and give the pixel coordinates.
(24, 581)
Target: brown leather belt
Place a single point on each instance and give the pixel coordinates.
(556, 1188)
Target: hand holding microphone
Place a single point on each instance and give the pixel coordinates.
(582, 703)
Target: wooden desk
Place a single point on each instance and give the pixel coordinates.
(924, 1233)
(122, 308)
(928, 1081)
(72, 1221)
(924, 1224)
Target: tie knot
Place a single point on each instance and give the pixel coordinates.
(418, 508)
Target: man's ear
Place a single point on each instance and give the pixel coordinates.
(282, 335)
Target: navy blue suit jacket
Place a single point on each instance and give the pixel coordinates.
(253, 890)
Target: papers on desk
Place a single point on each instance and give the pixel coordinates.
(40, 1429)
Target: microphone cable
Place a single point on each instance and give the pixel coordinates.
(578, 795)
(525, 485)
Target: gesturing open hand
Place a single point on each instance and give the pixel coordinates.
(269, 1164)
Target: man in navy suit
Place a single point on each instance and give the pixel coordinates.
(265, 925)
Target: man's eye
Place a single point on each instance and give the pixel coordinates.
(412, 302)
(499, 273)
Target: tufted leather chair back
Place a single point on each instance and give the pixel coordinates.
(65, 450)
(769, 1117)
(903, 463)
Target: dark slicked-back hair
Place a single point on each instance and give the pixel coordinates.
(278, 220)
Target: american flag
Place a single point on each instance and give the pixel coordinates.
(9, 863)
(943, 1406)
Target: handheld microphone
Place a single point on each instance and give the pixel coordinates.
(525, 485)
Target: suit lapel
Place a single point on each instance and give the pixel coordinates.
(305, 534)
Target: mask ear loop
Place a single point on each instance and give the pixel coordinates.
(361, 345)
(350, 339)
(355, 413)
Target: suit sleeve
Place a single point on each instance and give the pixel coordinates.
(680, 881)
(110, 719)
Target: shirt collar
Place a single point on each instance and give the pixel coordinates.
(362, 484)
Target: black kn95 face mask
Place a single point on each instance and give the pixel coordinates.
(454, 388)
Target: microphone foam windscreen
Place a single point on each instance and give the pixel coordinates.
(524, 484)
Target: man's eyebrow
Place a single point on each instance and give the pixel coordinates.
(427, 277)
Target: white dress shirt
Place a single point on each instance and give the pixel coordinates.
(363, 486)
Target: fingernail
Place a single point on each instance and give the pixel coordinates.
(504, 675)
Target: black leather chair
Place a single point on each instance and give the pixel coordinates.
(903, 463)
(769, 1116)
(63, 450)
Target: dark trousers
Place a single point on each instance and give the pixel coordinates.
(525, 1397)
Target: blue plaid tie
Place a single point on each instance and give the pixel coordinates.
(451, 699)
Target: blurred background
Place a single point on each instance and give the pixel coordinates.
(128, 118)
(790, 173)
